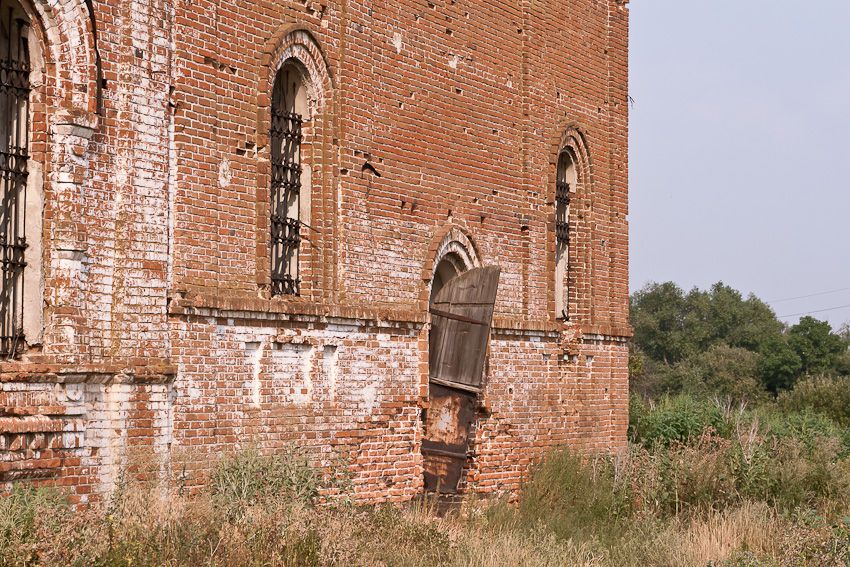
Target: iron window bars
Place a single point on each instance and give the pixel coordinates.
(562, 204)
(14, 144)
(285, 201)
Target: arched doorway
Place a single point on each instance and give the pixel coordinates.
(461, 309)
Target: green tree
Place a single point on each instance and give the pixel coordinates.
(779, 364)
(817, 346)
(671, 326)
(698, 342)
(658, 318)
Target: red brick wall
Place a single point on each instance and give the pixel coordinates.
(159, 331)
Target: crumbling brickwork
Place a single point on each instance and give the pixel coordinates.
(433, 130)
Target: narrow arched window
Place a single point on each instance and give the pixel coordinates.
(564, 186)
(14, 154)
(289, 108)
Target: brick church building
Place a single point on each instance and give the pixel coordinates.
(392, 234)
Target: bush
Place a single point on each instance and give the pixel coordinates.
(677, 418)
(28, 517)
(574, 496)
(826, 395)
(248, 478)
(724, 372)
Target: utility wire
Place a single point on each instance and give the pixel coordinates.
(810, 295)
(816, 311)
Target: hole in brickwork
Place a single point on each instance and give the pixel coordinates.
(369, 168)
(219, 65)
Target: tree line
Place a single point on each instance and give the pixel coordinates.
(718, 342)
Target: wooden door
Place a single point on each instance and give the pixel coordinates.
(461, 315)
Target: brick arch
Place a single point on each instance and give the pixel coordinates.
(63, 117)
(296, 43)
(572, 136)
(69, 47)
(449, 239)
(292, 41)
(68, 110)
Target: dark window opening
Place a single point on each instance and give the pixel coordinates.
(564, 185)
(285, 207)
(14, 154)
(562, 203)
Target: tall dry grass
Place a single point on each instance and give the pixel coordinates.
(736, 495)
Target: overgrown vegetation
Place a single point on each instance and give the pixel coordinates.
(762, 492)
(739, 455)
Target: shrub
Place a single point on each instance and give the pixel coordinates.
(826, 395)
(247, 478)
(691, 477)
(575, 497)
(28, 517)
(678, 418)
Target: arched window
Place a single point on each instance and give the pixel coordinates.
(288, 183)
(564, 187)
(14, 155)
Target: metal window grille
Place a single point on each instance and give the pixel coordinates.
(14, 153)
(286, 223)
(562, 207)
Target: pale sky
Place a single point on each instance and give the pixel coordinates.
(740, 149)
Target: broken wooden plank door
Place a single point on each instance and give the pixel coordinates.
(461, 314)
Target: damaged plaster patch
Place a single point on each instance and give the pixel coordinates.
(330, 367)
(370, 397)
(397, 43)
(305, 395)
(254, 357)
(292, 365)
(224, 174)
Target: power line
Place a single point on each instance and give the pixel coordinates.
(816, 311)
(810, 295)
